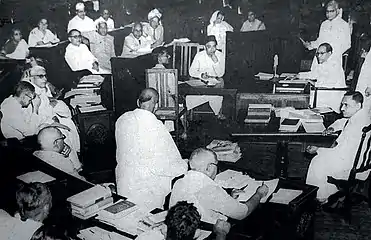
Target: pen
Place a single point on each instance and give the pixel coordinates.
(262, 183)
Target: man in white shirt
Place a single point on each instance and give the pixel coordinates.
(135, 43)
(78, 55)
(209, 67)
(364, 81)
(81, 22)
(56, 152)
(105, 18)
(252, 23)
(337, 160)
(334, 31)
(212, 201)
(34, 202)
(147, 157)
(329, 74)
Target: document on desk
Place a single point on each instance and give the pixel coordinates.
(264, 76)
(285, 196)
(313, 127)
(195, 83)
(250, 189)
(36, 176)
(232, 179)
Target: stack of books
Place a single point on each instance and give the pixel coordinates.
(292, 119)
(225, 150)
(89, 202)
(258, 113)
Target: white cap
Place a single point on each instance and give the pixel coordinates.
(80, 7)
(154, 13)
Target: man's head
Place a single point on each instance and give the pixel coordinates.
(80, 10)
(49, 232)
(16, 35)
(148, 99)
(74, 36)
(43, 24)
(51, 139)
(137, 30)
(105, 14)
(25, 93)
(34, 201)
(154, 17)
(251, 16)
(182, 221)
(205, 161)
(161, 55)
(332, 10)
(324, 51)
(351, 103)
(38, 76)
(219, 17)
(102, 28)
(210, 45)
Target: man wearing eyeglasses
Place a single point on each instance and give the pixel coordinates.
(56, 152)
(334, 31)
(212, 201)
(81, 22)
(329, 74)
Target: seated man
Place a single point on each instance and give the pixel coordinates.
(106, 18)
(78, 55)
(81, 22)
(147, 157)
(330, 74)
(20, 112)
(338, 160)
(211, 200)
(252, 23)
(56, 152)
(34, 202)
(154, 29)
(209, 66)
(364, 83)
(182, 222)
(51, 108)
(50, 232)
(101, 46)
(135, 43)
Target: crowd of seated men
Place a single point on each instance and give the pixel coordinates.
(147, 157)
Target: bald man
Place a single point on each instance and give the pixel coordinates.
(211, 200)
(56, 152)
(147, 157)
(135, 43)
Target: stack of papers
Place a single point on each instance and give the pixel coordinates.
(258, 113)
(225, 150)
(285, 196)
(264, 76)
(292, 119)
(251, 187)
(36, 176)
(232, 179)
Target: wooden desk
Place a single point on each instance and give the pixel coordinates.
(268, 133)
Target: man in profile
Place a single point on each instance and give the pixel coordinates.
(147, 157)
(337, 160)
(212, 201)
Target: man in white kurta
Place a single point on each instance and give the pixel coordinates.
(81, 22)
(334, 31)
(209, 66)
(147, 157)
(212, 201)
(57, 153)
(364, 82)
(337, 161)
(41, 35)
(329, 74)
(105, 18)
(252, 23)
(136, 43)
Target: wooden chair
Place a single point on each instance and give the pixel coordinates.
(362, 163)
(168, 105)
(183, 54)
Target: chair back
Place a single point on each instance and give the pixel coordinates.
(183, 54)
(165, 81)
(362, 160)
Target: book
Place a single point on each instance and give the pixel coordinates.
(93, 208)
(90, 196)
(313, 127)
(258, 113)
(119, 209)
(290, 125)
(285, 196)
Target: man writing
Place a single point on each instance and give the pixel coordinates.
(209, 66)
(135, 43)
(147, 157)
(337, 160)
(211, 200)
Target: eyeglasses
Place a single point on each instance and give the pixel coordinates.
(330, 11)
(76, 36)
(215, 164)
(40, 75)
(30, 97)
(320, 53)
(17, 34)
(60, 138)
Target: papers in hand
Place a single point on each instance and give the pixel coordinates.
(285, 196)
(251, 187)
(36, 176)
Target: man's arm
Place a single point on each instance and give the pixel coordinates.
(130, 43)
(194, 70)
(219, 66)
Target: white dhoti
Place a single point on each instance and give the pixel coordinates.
(215, 102)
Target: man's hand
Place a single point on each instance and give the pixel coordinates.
(96, 66)
(262, 190)
(312, 149)
(214, 58)
(306, 45)
(328, 131)
(221, 227)
(53, 102)
(36, 102)
(368, 92)
(205, 76)
(236, 192)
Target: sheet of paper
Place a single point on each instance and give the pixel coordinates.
(313, 127)
(36, 176)
(264, 76)
(250, 189)
(232, 179)
(285, 196)
(195, 83)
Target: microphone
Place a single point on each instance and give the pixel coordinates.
(275, 64)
